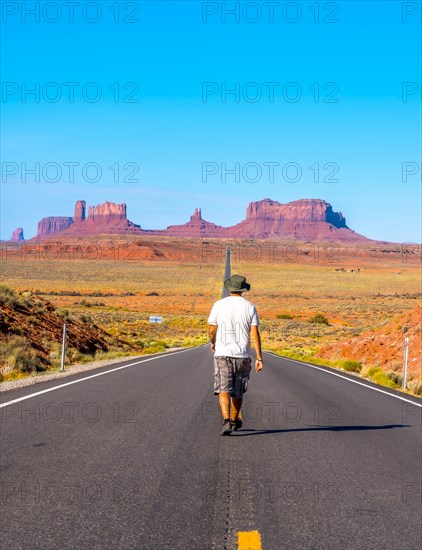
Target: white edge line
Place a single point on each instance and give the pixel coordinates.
(89, 377)
(345, 378)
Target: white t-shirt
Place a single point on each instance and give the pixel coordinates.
(234, 317)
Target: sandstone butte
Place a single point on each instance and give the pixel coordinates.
(304, 219)
(17, 235)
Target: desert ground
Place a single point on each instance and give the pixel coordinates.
(312, 298)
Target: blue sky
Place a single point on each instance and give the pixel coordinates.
(172, 129)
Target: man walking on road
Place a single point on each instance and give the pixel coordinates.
(233, 323)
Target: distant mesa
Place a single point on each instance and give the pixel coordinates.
(17, 235)
(304, 219)
(306, 210)
(109, 212)
(108, 218)
(52, 225)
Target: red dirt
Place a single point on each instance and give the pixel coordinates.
(383, 347)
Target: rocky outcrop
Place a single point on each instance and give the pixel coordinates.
(17, 235)
(106, 218)
(107, 212)
(52, 225)
(197, 216)
(383, 346)
(195, 227)
(303, 210)
(80, 209)
(41, 326)
(304, 219)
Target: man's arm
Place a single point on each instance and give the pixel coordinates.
(212, 332)
(256, 341)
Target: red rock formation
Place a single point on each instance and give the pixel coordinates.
(107, 212)
(195, 227)
(383, 346)
(17, 235)
(52, 225)
(79, 215)
(107, 219)
(196, 215)
(305, 210)
(304, 219)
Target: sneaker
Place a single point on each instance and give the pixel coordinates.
(237, 424)
(227, 428)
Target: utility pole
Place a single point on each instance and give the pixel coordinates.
(63, 346)
(227, 271)
(406, 353)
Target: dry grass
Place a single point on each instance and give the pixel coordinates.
(287, 294)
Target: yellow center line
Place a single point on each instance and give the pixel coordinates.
(249, 540)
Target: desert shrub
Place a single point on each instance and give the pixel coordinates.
(284, 316)
(138, 343)
(161, 344)
(73, 355)
(86, 303)
(302, 355)
(63, 313)
(154, 349)
(17, 355)
(350, 366)
(175, 343)
(383, 379)
(188, 342)
(111, 354)
(396, 366)
(396, 377)
(415, 386)
(25, 301)
(8, 296)
(55, 352)
(377, 375)
(86, 358)
(372, 370)
(319, 319)
(84, 319)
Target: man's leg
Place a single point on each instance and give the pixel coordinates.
(242, 371)
(223, 385)
(236, 405)
(224, 400)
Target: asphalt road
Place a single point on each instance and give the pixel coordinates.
(133, 459)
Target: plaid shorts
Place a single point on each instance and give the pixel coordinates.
(231, 375)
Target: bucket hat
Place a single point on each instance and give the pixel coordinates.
(237, 283)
